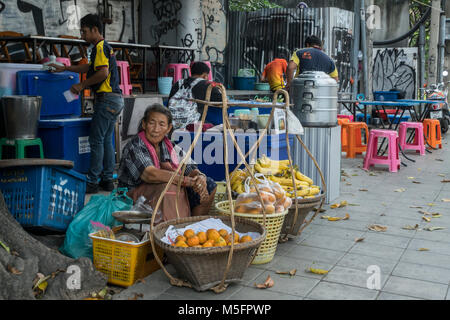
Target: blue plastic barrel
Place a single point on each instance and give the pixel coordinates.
(165, 85)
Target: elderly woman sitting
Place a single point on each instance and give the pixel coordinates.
(149, 160)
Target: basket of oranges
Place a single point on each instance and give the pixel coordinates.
(201, 258)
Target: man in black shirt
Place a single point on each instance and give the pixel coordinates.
(185, 112)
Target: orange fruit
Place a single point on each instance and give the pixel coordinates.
(245, 239)
(223, 233)
(193, 241)
(220, 242)
(180, 238)
(208, 244)
(270, 208)
(181, 244)
(228, 238)
(202, 237)
(212, 234)
(189, 233)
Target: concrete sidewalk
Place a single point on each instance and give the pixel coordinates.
(414, 264)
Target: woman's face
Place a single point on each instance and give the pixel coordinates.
(156, 127)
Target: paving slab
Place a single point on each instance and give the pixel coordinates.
(391, 296)
(352, 277)
(247, 293)
(337, 291)
(422, 272)
(315, 254)
(415, 288)
(293, 285)
(377, 250)
(363, 262)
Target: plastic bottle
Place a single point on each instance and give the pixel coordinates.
(255, 114)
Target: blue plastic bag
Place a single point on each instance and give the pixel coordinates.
(99, 209)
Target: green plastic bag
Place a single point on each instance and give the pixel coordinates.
(99, 209)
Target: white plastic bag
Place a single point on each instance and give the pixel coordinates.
(294, 124)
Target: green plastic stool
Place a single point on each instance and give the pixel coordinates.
(20, 145)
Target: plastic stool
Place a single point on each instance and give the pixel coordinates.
(343, 132)
(176, 70)
(125, 83)
(346, 116)
(64, 61)
(20, 145)
(419, 141)
(354, 145)
(372, 157)
(432, 129)
(210, 68)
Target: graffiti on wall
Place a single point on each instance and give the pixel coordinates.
(395, 68)
(166, 16)
(341, 48)
(52, 18)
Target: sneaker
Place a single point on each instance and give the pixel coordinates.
(107, 185)
(91, 187)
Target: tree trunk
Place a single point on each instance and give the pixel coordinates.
(29, 256)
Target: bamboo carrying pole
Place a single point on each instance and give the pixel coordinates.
(227, 130)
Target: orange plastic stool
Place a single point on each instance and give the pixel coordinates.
(354, 145)
(432, 131)
(343, 132)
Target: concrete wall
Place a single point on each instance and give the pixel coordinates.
(53, 18)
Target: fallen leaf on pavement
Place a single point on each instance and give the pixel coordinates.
(439, 159)
(445, 181)
(377, 227)
(416, 207)
(14, 270)
(417, 182)
(424, 249)
(291, 272)
(267, 284)
(347, 216)
(445, 200)
(354, 175)
(436, 215)
(363, 190)
(441, 175)
(136, 296)
(317, 271)
(411, 178)
(5, 247)
(353, 204)
(359, 239)
(431, 204)
(433, 228)
(372, 174)
(400, 190)
(343, 203)
(411, 227)
(426, 219)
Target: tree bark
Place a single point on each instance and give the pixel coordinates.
(28, 256)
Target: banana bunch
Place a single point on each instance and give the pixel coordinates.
(270, 167)
(237, 181)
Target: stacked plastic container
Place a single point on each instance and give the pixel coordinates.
(64, 136)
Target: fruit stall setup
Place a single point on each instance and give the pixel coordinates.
(209, 252)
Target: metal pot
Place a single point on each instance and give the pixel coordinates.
(315, 96)
(21, 116)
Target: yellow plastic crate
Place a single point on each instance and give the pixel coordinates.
(274, 223)
(124, 263)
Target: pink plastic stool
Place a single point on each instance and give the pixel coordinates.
(419, 141)
(125, 83)
(345, 116)
(64, 61)
(372, 157)
(210, 78)
(176, 70)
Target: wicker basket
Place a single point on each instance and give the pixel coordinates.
(204, 268)
(274, 222)
(221, 195)
(304, 208)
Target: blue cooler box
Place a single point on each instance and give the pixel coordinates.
(209, 153)
(67, 139)
(51, 86)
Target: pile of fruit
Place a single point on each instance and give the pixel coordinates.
(210, 238)
(279, 172)
(272, 195)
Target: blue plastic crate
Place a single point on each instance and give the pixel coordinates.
(244, 83)
(67, 139)
(397, 118)
(41, 196)
(51, 86)
(360, 118)
(385, 95)
(211, 144)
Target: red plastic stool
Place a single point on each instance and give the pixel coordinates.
(419, 141)
(346, 116)
(432, 129)
(176, 71)
(125, 83)
(354, 145)
(210, 68)
(372, 157)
